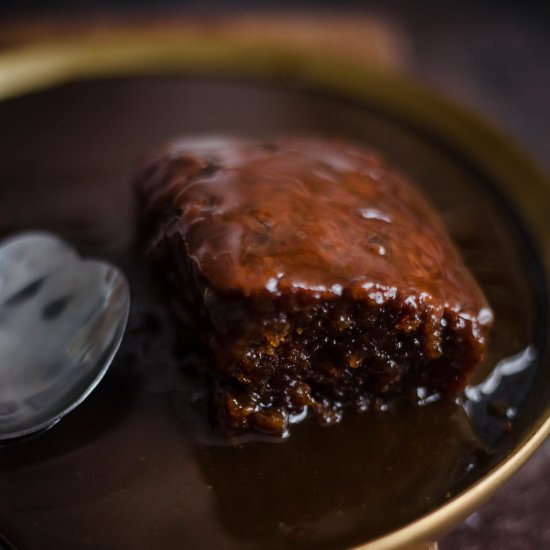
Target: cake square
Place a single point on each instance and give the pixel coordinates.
(316, 276)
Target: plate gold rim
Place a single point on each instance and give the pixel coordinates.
(45, 65)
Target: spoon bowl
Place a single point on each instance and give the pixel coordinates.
(61, 322)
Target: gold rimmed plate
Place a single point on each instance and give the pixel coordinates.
(136, 467)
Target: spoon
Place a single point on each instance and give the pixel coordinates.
(61, 322)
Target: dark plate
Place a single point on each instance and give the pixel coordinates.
(136, 466)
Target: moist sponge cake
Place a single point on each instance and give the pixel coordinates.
(316, 276)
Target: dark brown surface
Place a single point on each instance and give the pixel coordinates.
(318, 277)
(131, 468)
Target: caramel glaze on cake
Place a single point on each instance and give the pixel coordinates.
(317, 277)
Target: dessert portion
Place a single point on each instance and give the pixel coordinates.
(316, 276)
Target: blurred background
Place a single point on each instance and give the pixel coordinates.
(492, 57)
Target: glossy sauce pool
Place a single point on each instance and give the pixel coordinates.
(136, 466)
